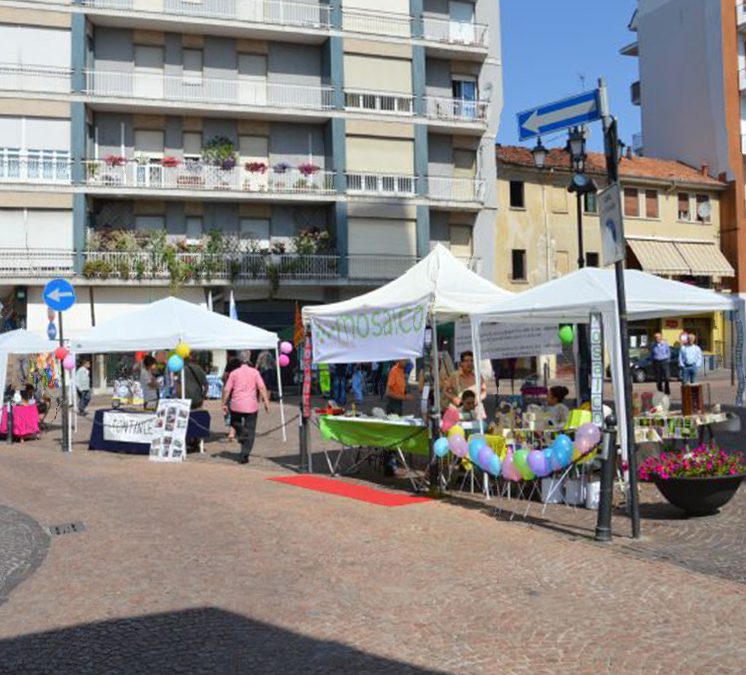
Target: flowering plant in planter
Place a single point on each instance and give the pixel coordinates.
(308, 169)
(170, 162)
(256, 167)
(220, 151)
(706, 461)
(282, 167)
(115, 160)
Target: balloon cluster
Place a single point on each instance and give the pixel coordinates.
(520, 464)
(175, 363)
(63, 354)
(286, 348)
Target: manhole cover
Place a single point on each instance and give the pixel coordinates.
(66, 528)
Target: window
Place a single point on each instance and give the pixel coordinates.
(684, 212)
(518, 264)
(590, 203)
(651, 203)
(631, 202)
(192, 145)
(194, 228)
(591, 259)
(704, 209)
(193, 66)
(517, 200)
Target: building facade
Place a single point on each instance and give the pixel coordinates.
(672, 220)
(286, 150)
(691, 92)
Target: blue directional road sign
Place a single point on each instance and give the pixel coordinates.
(51, 331)
(59, 295)
(569, 112)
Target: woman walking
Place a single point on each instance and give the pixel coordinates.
(244, 388)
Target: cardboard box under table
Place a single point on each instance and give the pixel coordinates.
(400, 436)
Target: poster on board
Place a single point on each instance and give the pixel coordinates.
(509, 340)
(168, 443)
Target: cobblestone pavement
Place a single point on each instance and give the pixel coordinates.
(208, 567)
(23, 545)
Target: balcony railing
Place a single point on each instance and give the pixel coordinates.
(445, 188)
(377, 23)
(47, 79)
(193, 175)
(206, 90)
(36, 263)
(741, 14)
(272, 12)
(381, 185)
(34, 166)
(378, 102)
(455, 32)
(454, 109)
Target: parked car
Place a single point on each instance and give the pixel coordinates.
(642, 367)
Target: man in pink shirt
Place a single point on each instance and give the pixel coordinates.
(244, 388)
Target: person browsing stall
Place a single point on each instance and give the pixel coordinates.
(149, 383)
(559, 412)
(83, 385)
(396, 388)
(244, 388)
(690, 358)
(468, 412)
(660, 353)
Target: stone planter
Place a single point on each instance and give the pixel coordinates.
(699, 496)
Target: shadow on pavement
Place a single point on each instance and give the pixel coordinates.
(204, 640)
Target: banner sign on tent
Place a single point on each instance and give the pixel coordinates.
(370, 335)
(168, 442)
(509, 341)
(597, 370)
(122, 427)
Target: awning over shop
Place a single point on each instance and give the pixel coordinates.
(671, 257)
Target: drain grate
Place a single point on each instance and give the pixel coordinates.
(65, 528)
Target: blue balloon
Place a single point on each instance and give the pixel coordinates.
(562, 455)
(475, 445)
(550, 457)
(441, 447)
(495, 466)
(175, 363)
(563, 441)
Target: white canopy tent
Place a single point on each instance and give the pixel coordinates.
(575, 296)
(165, 323)
(21, 341)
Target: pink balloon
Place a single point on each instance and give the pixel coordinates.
(509, 470)
(458, 445)
(286, 347)
(591, 432)
(284, 360)
(68, 363)
(450, 417)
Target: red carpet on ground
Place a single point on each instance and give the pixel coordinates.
(351, 491)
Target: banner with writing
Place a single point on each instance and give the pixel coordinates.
(509, 340)
(370, 335)
(123, 427)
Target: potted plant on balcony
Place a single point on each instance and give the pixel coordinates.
(115, 160)
(220, 151)
(253, 183)
(698, 481)
(170, 162)
(280, 175)
(308, 170)
(111, 176)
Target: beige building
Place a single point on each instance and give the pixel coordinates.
(672, 224)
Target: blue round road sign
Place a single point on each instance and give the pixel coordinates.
(52, 331)
(59, 295)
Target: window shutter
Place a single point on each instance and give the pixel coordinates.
(651, 203)
(631, 202)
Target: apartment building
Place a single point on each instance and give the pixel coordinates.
(672, 220)
(286, 150)
(692, 59)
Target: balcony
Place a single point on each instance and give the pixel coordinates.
(41, 79)
(456, 110)
(742, 79)
(381, 185)
(36, 263)
(269, 12)
(741, 14)
(377, 23)
(117, 174)
(743, 144)
(445, 31)
(204, 91)
(379, 103)
(447, 189)
(34, 166)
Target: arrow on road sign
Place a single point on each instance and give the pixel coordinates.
(57, 294)
(559, 115)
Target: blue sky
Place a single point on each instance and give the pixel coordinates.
(548, 44)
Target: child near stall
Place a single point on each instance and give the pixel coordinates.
(556, 408)
(468, 412)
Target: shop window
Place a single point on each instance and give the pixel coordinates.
(684, 210)
(518, 264)
(651, 204)
(590, 203)
(631, 202)
(591, 259)
(517, 199)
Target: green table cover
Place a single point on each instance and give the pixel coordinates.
(354, 432)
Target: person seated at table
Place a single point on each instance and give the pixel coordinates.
(149, 383)
(42, 400)
(27, 401)
(558, 411)
(465, 379)
(468, 412)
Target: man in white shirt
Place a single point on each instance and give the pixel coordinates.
(83, 385)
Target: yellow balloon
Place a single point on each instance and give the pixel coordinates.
(456, 430)
(183, 350)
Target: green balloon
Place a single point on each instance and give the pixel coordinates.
(520, 462)
(566, 335)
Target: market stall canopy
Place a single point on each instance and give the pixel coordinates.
(571, 298)
(25, 342)
(440, 279)
(165, 323)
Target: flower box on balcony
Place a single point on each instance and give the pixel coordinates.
(194, 182)
(170, 162)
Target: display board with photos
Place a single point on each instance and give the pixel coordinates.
(169, 430)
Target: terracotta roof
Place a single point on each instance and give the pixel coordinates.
(636, 167)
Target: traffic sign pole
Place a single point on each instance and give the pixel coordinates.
(65, 409)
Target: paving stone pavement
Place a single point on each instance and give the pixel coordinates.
(208, 567)
(23, 546)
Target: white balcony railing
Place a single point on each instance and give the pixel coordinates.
(381, 184)
(208, 91)
(272, 12)
(33, 263)
(378, 102)
(377, 23)
(455, 32)
(741, 14)
(445, 188)
(47, 79)
(199, 176)
(34, 166)
(454, 109)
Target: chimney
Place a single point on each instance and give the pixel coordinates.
(705, 170)
(629, 152)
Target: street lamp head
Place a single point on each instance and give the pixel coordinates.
(576, 144)
(540, 155)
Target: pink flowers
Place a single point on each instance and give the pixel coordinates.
(115, 160)
(702, 462)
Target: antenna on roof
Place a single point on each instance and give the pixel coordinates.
(582, 78)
